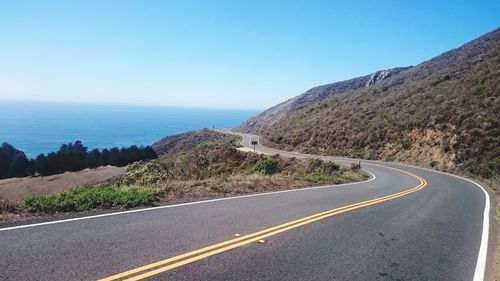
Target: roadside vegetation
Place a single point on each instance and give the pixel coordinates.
(213, 169)
(81, 199)
(6, 207)
(205, 169)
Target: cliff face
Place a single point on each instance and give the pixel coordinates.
(443, 113)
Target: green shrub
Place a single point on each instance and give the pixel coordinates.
(314, 163)
(369, 156)
(487, 169)
(320, 178)
(328, 168)
(267, 166)
(147, 173)
(81, 199)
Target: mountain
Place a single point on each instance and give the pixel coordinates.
(276, 113)
(442, 113)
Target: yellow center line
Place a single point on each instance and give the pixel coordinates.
(214, 246)
(224, 246)
(201, 250)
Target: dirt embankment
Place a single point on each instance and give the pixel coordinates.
(17, 189)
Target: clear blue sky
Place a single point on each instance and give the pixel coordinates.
(239, 54)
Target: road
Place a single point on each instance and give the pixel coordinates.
(404, 223)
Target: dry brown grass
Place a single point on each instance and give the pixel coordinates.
(6, 208)
(234, 185)
(17, 189)
(214, 169)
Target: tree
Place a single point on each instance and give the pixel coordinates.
(78, 146)
(149, 153)
(70, 157)
(19, 166)
(42, 165)
(105, 157)
(93, 159)
(13, 162)
(4, 163)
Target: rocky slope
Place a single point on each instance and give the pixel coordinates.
(276, 113)
(443, 113)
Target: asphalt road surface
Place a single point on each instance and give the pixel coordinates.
(404, 223)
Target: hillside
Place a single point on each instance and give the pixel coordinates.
(189, 140)
(276, 113)
(443, 113)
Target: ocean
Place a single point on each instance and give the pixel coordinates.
(42, 127)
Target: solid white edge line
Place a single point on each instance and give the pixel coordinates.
(480, 269)
(479, 272)
(373, 177)
(483, 248)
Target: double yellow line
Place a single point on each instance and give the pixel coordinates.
(161, 266)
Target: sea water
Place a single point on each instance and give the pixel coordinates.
(42, 127)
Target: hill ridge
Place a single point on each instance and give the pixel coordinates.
(443, 113)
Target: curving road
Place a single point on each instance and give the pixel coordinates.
(404, 223)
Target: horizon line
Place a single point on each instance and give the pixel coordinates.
(106, 103)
